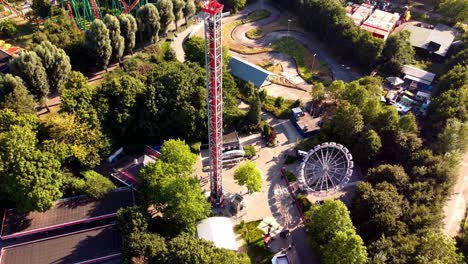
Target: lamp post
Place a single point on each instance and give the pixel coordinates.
(289, 21)
(313, 61)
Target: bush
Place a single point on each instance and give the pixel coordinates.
(250, 151)
(97, 186)
(195, 147)
(8, 28)
(304, 203)
(72, 186)
(279, 101)
(291, 176)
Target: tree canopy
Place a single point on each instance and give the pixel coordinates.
(249, 175)
(397, 52)
(117, 41)
(14, 95)
(98, 43)
(148, 21)
(128, 29)
(178, 154)
(166, 13)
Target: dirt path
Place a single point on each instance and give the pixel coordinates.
(456, 205)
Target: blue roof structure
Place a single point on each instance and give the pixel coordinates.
(247, 71)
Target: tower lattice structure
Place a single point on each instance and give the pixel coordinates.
(214, 85)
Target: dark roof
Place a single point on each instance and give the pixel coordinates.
(4, 56)
(91, 244)
(247, 71)
(65, 212)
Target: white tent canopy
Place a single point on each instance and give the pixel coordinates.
(218, 230)
(395, 81)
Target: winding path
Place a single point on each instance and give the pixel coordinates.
(312, 44)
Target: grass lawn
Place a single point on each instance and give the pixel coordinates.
(282, 112)
(253, 237)
(303, 56)
(257, 15)
(254, 33)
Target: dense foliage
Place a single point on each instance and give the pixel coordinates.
(249, 175)
(331, 24)
(333, 235)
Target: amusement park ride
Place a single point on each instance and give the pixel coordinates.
(214, 85)
(84, 11)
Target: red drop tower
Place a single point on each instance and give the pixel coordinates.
(214, 85)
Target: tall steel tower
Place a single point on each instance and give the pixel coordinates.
(214, 85)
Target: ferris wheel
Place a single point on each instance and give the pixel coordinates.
(326, 169)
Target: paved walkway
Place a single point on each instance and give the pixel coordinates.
(311, 43)
(456, 205)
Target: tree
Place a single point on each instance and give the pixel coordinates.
(98, 43)
(178, 154)
(132, 220)
(253, 117)
(41, 8)
(236, 5)
(336, 89)
(454, 137)
(148, 21)
(150, 247)
(169, 54)
(177, 6)
(166, 13)
(97, 186)
(397, 52)
(82, 142)
(318, 92)
(28, 66)
(393, 174)
(367, 148)
(194, 49)
(31, 177)
(345, 247)
(14, 95)
(188, 249)
(189, 10)
(408, 123)
(456, 78)
(128, 29)
(56, 63)
(456, 9)
(345, 125)
(117, 41)
(377, 210)
(249, 175)
(8, 27)
(435, 247)
(76, 80)
(450, 104)
(327, 220)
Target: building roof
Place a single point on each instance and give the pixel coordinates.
(417, 74)
(297, 111)
(361, 13)
(65, 212)
(231, 138)
(219, 230)
(381, 23)
(427, 39)
(90, 246)
(247, 71)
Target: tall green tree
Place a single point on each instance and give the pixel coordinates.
(455, 78)
(397, 52)
(149, 22)
(453, 138)
(14, 95)
(345, 125)
(435, 247)
(318, 92)
(128, 29)
(393, 174)
(29, 67)
(177, 6)
(166, 13)
(249, 175)
(56, 63)
(178, 154)
(96, 185)
(188, 249)
(98, 43)
(345, 247)
(82, 142)
(117, 41)
(450, 104)
(194, 49)
(408, 123)
(41, 8)
(189, 10)
(31, 176)
(236, 5)
(456, 9)
(253, 117)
